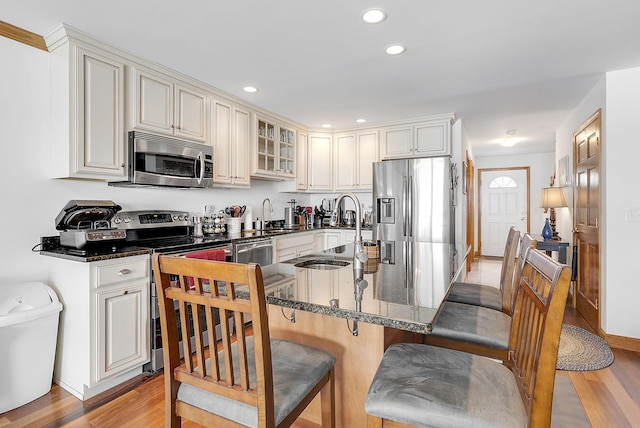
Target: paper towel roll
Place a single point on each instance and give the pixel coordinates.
(248, 219)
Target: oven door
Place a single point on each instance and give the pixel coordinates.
(163, 161)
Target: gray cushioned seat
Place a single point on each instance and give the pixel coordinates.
(296, 370)
(473, 324)
(427, 386)
(476, 294)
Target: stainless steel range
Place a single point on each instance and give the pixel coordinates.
(167, 232)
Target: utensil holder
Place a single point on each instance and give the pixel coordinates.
(233, 225)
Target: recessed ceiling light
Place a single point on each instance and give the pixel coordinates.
(326, 125)
(373, 16)
(396, 49)
(361, 120)
(250, 89)
(511, 132)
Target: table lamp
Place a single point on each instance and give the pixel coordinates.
(552, 198)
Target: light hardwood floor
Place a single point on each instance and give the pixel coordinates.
(611, 396)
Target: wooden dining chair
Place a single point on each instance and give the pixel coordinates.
(252, 380)
(423, 385)
(478, 329)
(489, 296)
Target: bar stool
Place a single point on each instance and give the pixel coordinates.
(488, 296)
(477, 329)
(253, 380)
(423, 385)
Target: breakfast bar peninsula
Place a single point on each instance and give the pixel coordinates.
(322, 301)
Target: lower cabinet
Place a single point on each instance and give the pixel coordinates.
(336, 237)
(295, 245)
(121, 340)
(104, 324)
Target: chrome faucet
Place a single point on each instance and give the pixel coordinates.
(359, 255)
(359, 284)
(263, 222)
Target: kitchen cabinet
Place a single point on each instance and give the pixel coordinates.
(332, 238)
(104, 327)
(320, 162)
(274, 154)
(426, 138)
(318, 242)
(88, 135)
(302, 181)
(354, 155)
(295, 245)
(164, 105)
(230, 125)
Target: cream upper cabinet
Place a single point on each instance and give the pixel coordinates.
(231, 130)
(367, 153)
(274, 150)
(302, 179)
(163, 105)
(88, 135)
(320, 162)
(354, 155)
(431, 137)
(344, 162)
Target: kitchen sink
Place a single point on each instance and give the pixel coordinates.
(325, 264)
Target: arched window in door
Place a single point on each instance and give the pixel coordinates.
(502, 182)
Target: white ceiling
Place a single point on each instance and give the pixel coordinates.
(497, 64)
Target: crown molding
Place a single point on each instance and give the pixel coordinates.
(21, 35)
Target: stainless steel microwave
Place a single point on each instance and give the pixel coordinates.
(156, 160)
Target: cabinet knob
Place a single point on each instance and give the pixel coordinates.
(124, 272)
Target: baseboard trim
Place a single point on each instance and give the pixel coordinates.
(622, 342)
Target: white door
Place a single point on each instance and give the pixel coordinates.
(503, 203)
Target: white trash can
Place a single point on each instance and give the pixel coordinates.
(29, 315)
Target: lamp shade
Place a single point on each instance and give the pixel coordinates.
(552, 197)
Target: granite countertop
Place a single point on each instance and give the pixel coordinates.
(403, 288)
(52, 248)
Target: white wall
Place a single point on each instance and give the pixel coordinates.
(540, 172)
(618, 95)
(31, 200)
(619, 253)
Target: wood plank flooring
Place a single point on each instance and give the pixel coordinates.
(610, 397)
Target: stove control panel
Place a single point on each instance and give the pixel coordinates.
(150, 219)
(97, 235)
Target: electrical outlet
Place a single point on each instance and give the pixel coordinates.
(632, 214)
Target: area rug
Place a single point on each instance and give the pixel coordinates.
(580, 350)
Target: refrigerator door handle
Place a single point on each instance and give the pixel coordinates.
(410, 207)
(405, 215)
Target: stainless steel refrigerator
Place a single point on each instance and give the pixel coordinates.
(413, 200)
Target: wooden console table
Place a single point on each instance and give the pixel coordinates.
(549, 246)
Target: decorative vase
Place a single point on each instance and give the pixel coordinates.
(547, 233)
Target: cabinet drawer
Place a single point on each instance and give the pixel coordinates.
(125, 271)
(297, 240)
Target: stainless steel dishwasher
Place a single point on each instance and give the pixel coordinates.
(259, 250)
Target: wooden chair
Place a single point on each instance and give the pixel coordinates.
(425, 385)
(253, 380)
(477, 329)
(487, 296)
